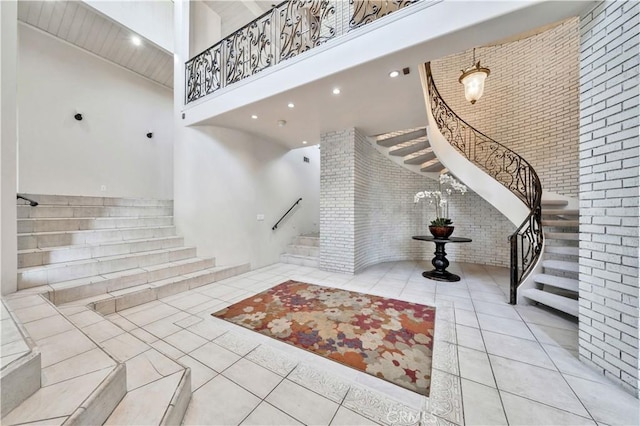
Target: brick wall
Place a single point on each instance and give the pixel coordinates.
(609, 191)
(530, 102)
(367, 213)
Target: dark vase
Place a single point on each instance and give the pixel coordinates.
(441, 232)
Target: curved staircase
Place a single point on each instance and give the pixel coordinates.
(557, 283)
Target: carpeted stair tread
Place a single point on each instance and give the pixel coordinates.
(560, 265)
(555, 203)
(433, 168)
(564, 304)
(560, 282)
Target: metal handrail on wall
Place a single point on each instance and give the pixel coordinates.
(289, 29)
(285, 214)
(506, 167)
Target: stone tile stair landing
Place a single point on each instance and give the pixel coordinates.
(84, 257)
(304, 251)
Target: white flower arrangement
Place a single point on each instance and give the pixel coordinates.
(440, 198)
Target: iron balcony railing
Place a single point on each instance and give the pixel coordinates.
(508, 168)
(289, 29)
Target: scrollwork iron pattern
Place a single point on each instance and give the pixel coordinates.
(505, 166)
(366, 11)
(289, 29)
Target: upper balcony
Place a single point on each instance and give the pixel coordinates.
(302, 49)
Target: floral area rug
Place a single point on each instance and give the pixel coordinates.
(387, 338)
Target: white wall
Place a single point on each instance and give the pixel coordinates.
(205, 27)
(153, 20)
(60, 155)
(224, 178)
(8, 226)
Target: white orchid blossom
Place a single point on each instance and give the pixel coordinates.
(439, 198)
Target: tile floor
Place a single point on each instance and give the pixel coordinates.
(493, 363)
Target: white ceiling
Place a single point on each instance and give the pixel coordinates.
(82, 26)
(234, 14)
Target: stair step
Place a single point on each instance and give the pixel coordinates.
(569, 236)
(561, 223)
(53, 255)
(90, 223)
(560, 212)
(563, 250)
(294, 259)
(306, 240)
(50, 274)
(73, 366)
(561, 303)
(560, 265)
(420, 159)
(411, 149)
(559, 282)
(44, 211)
(303, 250)
(71, 238)
(79, 289)
(75, 200)
(554, 203)
(433, 168)
(405, 137)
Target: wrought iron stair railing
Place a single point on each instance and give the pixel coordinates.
(289, 29)
(506, 167)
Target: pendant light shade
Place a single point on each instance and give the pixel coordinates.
(473, 80)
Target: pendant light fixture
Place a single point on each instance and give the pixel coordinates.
(473, 80)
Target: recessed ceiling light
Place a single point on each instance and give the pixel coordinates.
(136, 40)
(304, 142)
(290, 105)
(255, 117)
(394, 74)
(336, 91)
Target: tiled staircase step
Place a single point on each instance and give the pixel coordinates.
(294, 259)
(561, 223)
(554, 203)
(560, 212)
(89, 223)
(563, 250)
(559, 282)
(129, 297)
(20, 363)
(560, 265)
(303, 250)
(433, 168)
(411, 149)
(72, 238)
(43, 211)
(164, 404)
(307, 240)
(74, 200)
(561, 303)
(81, 384)
(50, 274)
(83, 288)
(405, 137)
(420, 159)
(570, 236)
(52, 255)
